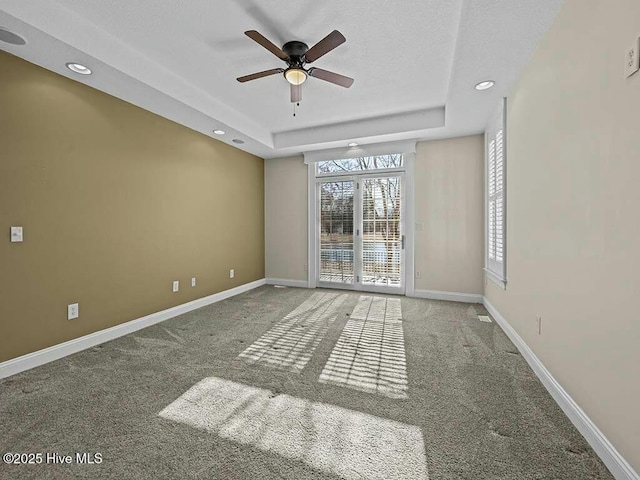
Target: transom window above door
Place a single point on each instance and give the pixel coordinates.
(360, 164)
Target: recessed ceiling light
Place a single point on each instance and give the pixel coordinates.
(79, 68)
(486, 85)
(219, 132)
(353, 144)
(238, 141)
(10, 37)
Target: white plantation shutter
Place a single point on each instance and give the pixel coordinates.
(496, 173)
(491, 215)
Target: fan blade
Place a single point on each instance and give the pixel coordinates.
(324, 46)
(296, 93)
(266, 73)
(262, 40)
(328, 76)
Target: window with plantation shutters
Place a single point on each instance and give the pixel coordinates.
(495, 193)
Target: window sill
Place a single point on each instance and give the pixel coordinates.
(501, 282)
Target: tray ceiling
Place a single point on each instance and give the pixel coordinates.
(415, 63)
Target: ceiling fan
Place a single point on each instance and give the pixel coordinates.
(296, 55)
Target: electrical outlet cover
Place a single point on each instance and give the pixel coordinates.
(16, 234)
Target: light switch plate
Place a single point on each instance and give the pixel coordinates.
(16, 234)
(193, 281)
(632, 59)
(176, 286)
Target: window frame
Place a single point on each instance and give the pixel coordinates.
(371, 171)
(494, 269)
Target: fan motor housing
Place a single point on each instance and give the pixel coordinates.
(295, 49)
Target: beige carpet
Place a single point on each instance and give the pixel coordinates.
(296, 384)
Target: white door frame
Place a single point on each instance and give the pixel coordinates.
(313, 238)
(316, 234)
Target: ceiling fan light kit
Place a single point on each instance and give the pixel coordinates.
(295, 76)
(297, 54)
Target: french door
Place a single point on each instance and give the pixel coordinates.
(360, 234)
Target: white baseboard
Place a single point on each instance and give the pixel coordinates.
(615, 462)
(35, 359)
(450, 296)
(287, 283)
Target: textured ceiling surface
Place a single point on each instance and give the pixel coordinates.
(413, 61)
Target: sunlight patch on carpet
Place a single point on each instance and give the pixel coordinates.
(349, 444)
(290, 343)
(369, 355)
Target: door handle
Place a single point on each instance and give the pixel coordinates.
(402, 242)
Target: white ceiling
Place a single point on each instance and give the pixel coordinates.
(415, 62)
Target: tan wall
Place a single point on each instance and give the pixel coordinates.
(573, 229)
(116, 203)
(286, 218)
(449, 215)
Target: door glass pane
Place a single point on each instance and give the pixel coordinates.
(336, 232)
(381, 236)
